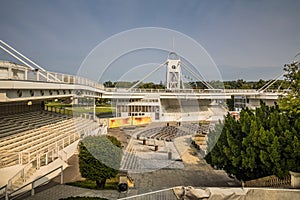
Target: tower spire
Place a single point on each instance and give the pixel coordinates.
(173, 72)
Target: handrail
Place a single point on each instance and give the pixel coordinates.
(146, 194)
(3, 187)
(34, 75)
(21, 172)
(33, 185)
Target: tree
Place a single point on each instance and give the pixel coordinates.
(267, 137)
(99, 158)
(291, 102)
(263, 142)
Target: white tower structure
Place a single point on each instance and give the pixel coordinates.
(173, 72)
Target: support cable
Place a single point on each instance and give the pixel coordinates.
(197, 76)
(270, 83)
(16, 57)
(157, 68)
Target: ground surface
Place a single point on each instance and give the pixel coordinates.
(193, 171)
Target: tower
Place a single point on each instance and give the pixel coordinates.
(173, 72)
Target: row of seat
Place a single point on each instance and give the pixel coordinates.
(15, 123)
(198, 128)
(184, 108)
(167, 133)
(39, 132)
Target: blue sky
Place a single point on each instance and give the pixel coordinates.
(246, 39)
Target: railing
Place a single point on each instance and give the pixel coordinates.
(20, 174)
(3, 190)
(63, 155)
(195, 91)
(33, 184)
(51, 148)
(270, 181)
(37, 157)
(23, 172)
(165, 194)
(19, 72)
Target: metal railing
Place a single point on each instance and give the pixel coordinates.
(20, 174)
(33, 184)
(195, 91)
(3, 191)
(12, 71)
(20, 72)
(165, 194)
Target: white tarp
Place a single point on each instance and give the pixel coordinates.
(190, 193)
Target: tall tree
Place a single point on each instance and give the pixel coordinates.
(291, 102)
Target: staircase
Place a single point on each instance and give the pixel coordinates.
(21, 180)
(130, 162)
(32, 169)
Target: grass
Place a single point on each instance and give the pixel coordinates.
(83, 198)
(111, 184)
(80, 109)
(99, 109)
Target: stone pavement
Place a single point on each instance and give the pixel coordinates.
(64, 191)
(192, 171)
(196, 173)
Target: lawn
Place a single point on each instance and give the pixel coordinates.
(111, 184)
(81, 109)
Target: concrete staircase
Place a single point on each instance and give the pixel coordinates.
(130, 162)
(20, 181)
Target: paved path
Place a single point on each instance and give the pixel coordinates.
(199, 175)
(196, 172)
(64, 191)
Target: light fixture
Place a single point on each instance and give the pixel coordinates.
(29, 103)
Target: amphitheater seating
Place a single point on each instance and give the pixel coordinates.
(167, 133)
(36, 133)
(198, 128)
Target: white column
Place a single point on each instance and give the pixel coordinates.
(47, 158)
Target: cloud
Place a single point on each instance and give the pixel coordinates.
(60, 34)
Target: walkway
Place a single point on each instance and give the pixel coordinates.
(193, 171)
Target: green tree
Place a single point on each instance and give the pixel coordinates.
(99, 158)
(291, 102)
(263, 142)
(108, 84)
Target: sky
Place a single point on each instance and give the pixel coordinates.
(248, 40)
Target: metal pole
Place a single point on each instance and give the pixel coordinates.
(7, 51)
(22, 57)
(159, 66)
(94, 117)
(197, 76)
(32, 188)
(6, 193)
(61, 175)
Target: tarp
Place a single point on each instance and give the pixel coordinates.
(190, 193)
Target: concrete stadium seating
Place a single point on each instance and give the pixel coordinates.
(167, 133)
(24, 136)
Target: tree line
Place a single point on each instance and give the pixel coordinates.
(235, 84)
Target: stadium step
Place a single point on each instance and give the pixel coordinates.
(130, 160)
(20, 182)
